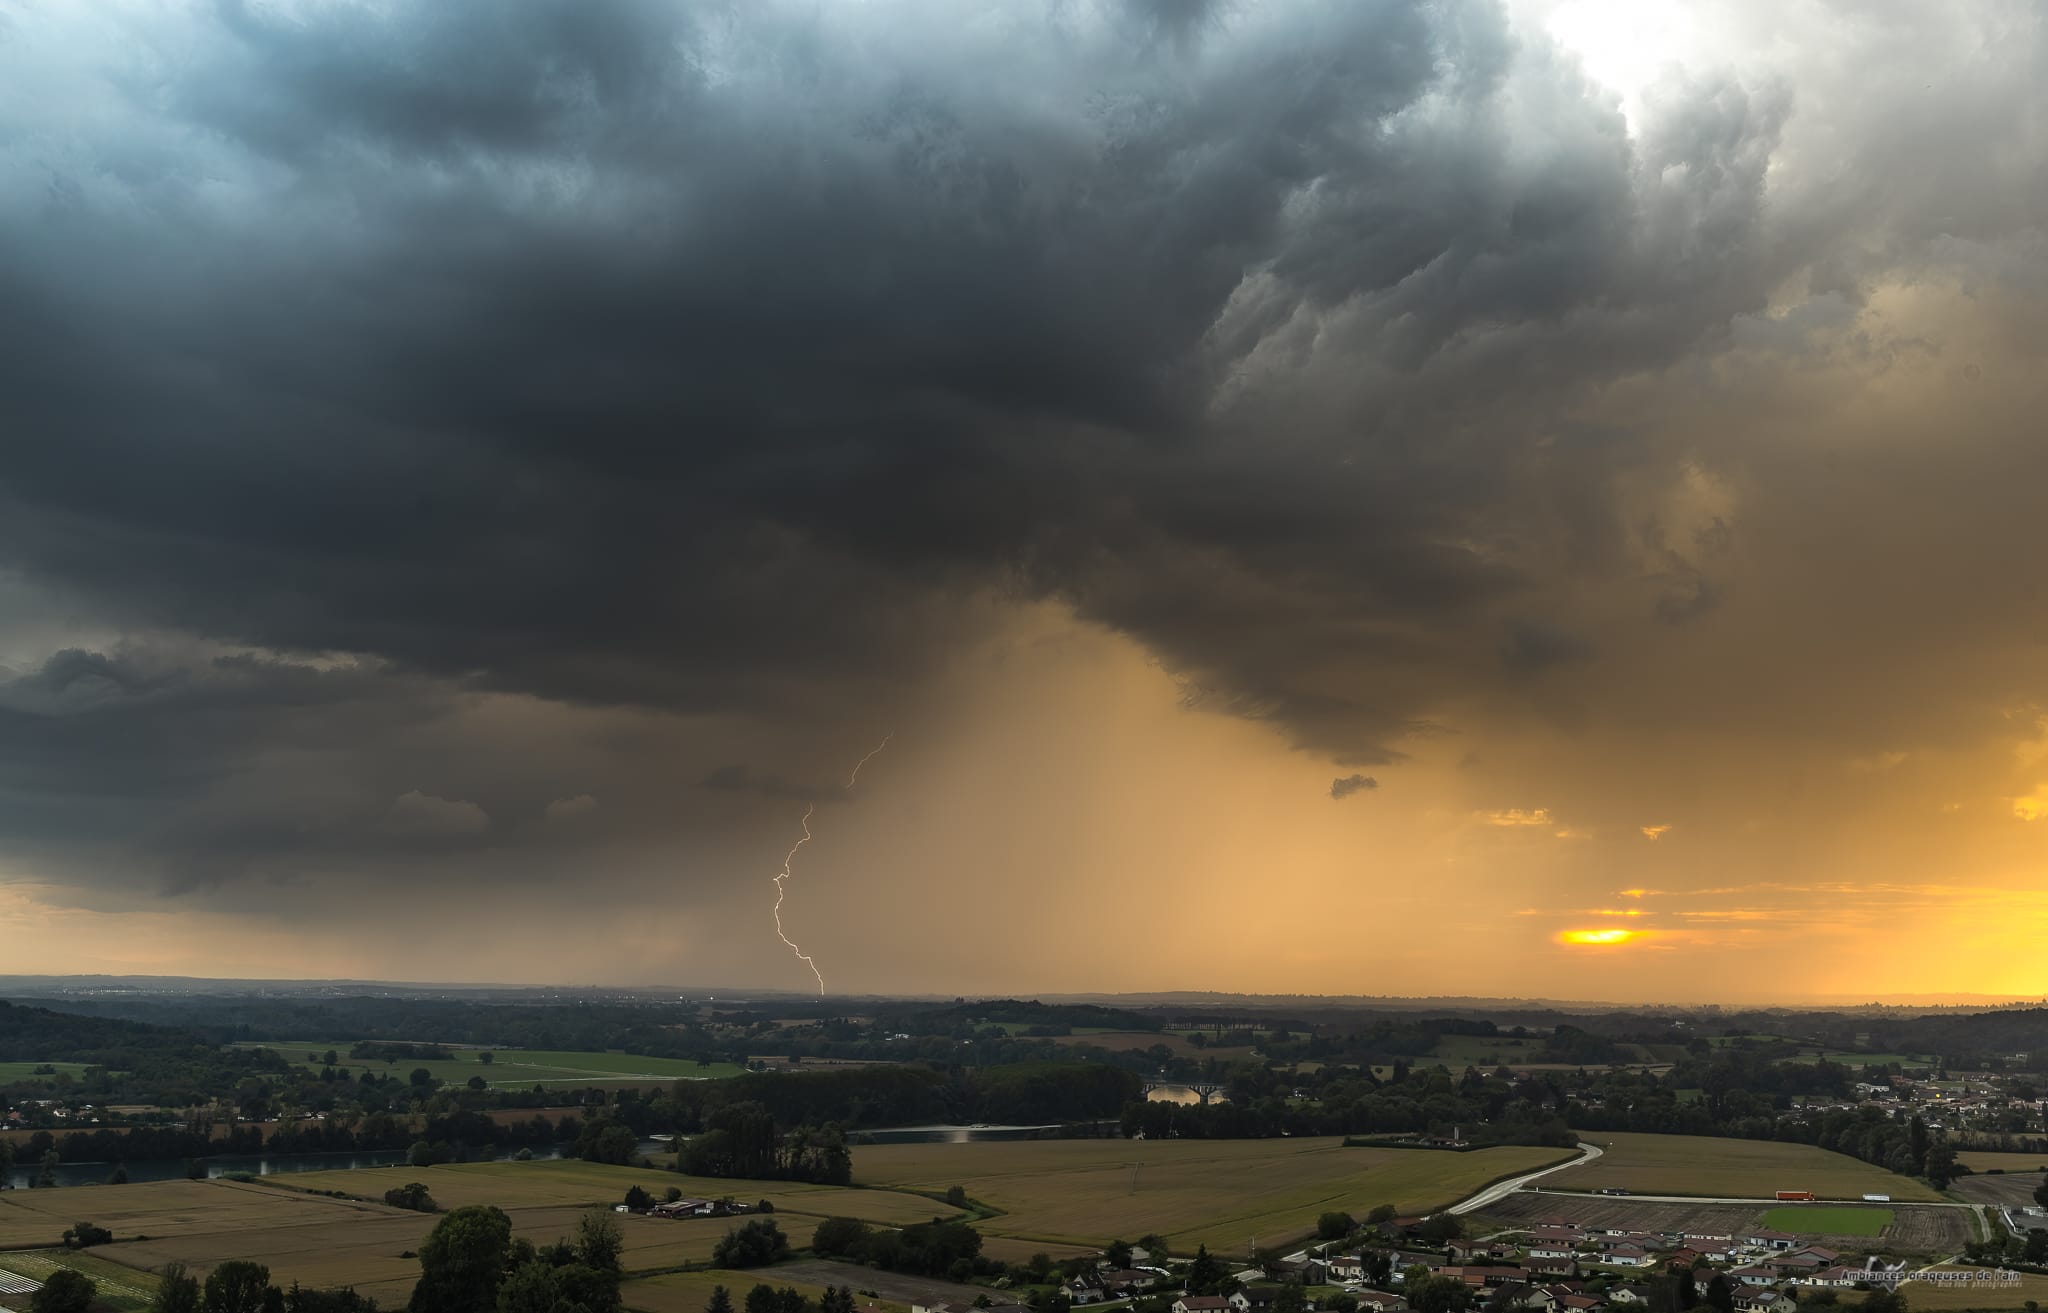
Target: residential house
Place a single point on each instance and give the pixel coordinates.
(1764, 1238)
(1195, 1304)
(1256, 1299)
(1379, 1301)
(1625, 1255)
(1764, 1301)
(1085, 1290)
(1752, 1274)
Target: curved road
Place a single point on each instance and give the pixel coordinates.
(1499, 1190)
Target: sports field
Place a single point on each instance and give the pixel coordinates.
(513, 1068)
(1221, 1193)
(1819, 1219)
(1711, 1167)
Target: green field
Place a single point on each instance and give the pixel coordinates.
(1712, 1167)
(1818, 1219)
(515, 1068)
(11, 1072)
(120, 1288)
(1221, 1193)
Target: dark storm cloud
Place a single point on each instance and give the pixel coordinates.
(739, 779)
(709, 358)
(1350, 784)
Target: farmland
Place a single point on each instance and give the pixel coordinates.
(120, 1289)
(515, 1068)
(1980, 1161)
(569, 1183)
(322, 1241)
(1739, 1169)
(1933, 1231)
(13, 1072)
(1818, 1219)
(1215, 1192)
(1983, 1290)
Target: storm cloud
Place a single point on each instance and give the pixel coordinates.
(372, 371)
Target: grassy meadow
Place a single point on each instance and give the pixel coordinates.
(1221, 1193)
(512, 1068)
(1710, 1167)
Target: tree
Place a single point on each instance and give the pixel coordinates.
(486, 1057)
(720, 1301)
(761, 1299)
(237, 1286)
(1205, 1272)
(6, 1161)
(638, 1199)
(1720, 1296)
(64, 1291)
(412, 1195)
(119, 1176)
(1334, 1226)
(757, 1244)
(836, 1299)
(2040, 1191)
(839, 1237)
(47, 1177)
(463, 1262)
(1941, 1166)
(176, 1292)
(1291, 1299)
(2036, 1251)
(599, 1242)
(84, 1235)
(420, 1079)
(1437, 1294)
(345, 1300)
(956, 1196)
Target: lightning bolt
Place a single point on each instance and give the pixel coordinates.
(782, 876)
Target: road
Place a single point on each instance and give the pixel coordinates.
(1588, 1151)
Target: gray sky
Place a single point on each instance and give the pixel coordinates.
(472, 477)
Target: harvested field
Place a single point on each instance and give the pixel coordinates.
(2015, 1190)
(562, 1182)
(1711, 1166)
(367, 1251)
(33, 1219)
(1931, 1231)
(1215, 1192)
(1979, 1160)
(1986, 1290)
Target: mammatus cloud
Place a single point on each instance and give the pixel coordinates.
(1347, 785)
